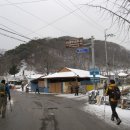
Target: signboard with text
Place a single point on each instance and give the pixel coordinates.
(94, 71)
(74, 43)
(82, 50)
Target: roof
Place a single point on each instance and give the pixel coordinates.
(61, 74)
(72, 73)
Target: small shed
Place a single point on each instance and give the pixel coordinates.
(37, 80)
(65, 80)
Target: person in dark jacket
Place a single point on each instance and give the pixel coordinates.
(37, 89)
(105, 86)
(76, 90)
(4, 93)
(110, 91)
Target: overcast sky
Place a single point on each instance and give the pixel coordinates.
(55, 18)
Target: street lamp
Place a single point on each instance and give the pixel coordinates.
(106, 53)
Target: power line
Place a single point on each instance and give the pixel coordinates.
(48, 24)
(67, 8)
(58, 19)
(15, 33)
(15, 23)
(95, 23)
(12, 37)
(85, 19)
(8, 28)
(35, 17)
(23, 3)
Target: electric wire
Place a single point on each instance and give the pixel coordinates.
(38, 18)
(58, 19)
(15, 33)
(82, 18)
(8, 28)
(95, 23)
(23, 27)
(12, 37)
(24, 2)
(48, 24)
(68, 9)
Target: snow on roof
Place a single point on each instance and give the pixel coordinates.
(80, 73)
(72, 73)
(84, 73)
(61, 74)
(122, 74)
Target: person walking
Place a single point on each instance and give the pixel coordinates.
(114, 96)
(22, 86)
(4, 93)
(76, 90)
(37, 89)
(105, 86)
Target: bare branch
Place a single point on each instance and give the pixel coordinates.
(115, 14)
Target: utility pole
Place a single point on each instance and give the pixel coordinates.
(93, 54)
(93, 60)
(106, 53)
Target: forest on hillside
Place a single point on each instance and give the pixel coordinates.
(50, 54)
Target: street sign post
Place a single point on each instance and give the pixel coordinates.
(94, 72)
(82, 50)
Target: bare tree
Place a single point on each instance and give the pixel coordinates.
(119, 11)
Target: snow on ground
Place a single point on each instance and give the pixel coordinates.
(102, 111)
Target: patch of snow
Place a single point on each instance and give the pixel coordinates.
(102, 111)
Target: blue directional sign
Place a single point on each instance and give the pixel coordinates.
(82, 50)
(94, 71)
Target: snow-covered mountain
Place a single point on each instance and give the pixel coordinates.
(24, 73)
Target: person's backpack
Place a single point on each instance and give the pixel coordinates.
(116, 93)
(2, 89)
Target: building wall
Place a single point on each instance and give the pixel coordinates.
(55, 87)
(42, 87)
(41, 84)
(68, 86)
